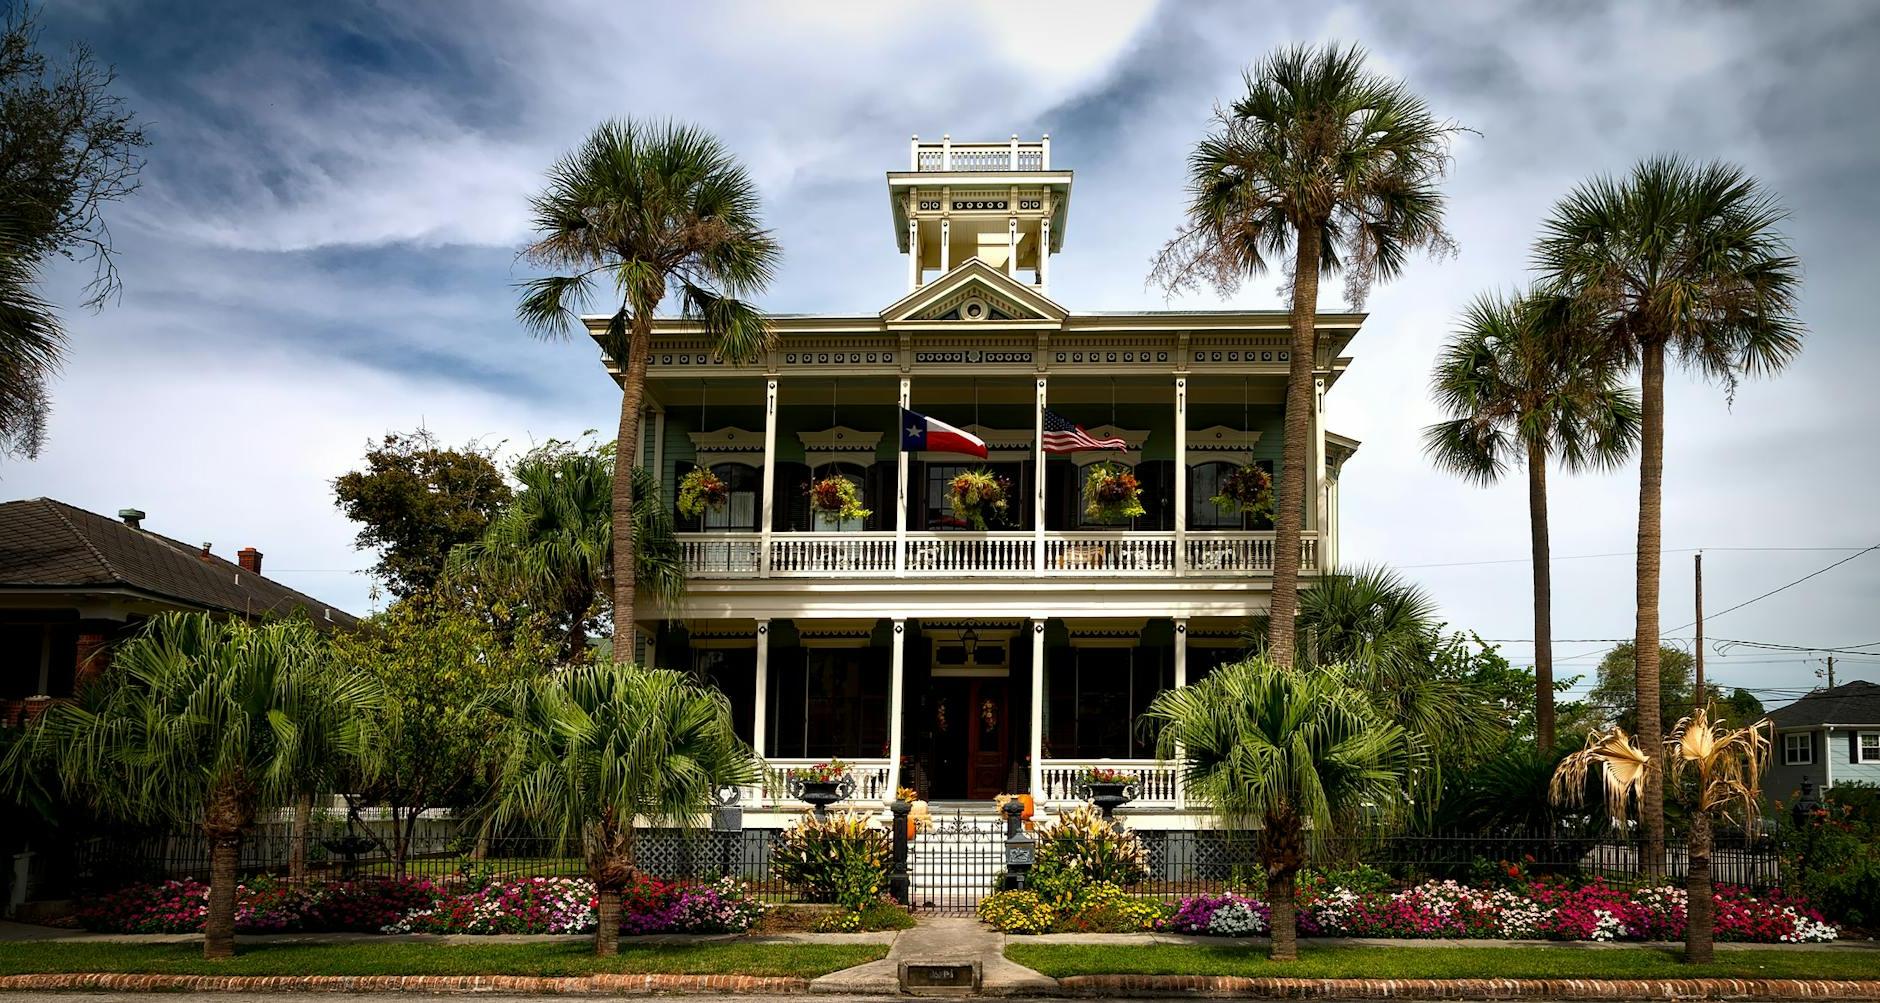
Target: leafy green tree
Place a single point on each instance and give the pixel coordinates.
(1338, 167)
(1616, 689)
(594, 750)
(1520, 390)
(68, 148)
(207, 723)
(1684, 261)
(1303, 753)
(653, 210)
(416, 500)
(436, 658)
(554, 542)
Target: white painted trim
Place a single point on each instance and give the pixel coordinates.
(896, 689)
(1860, 758)
(761, 719)
(1787, 750)
(1036, 781)
(1181, 475)
(769, 485)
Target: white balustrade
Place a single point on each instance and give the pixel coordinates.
(721, 555)
(1156, 783)
(1228, 554)
(1007, 156)
(870, 776)
(1096, 554)
(967, 554)
(1118, 553)
(831, 555)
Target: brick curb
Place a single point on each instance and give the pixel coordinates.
(1471, 989)
(604, 984)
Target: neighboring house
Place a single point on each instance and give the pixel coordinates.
(1828, 737)
(73, 582)
(964, 662)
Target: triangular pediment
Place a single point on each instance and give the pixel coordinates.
(974, 293)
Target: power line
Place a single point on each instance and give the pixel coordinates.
(1790, 585)
(1616, 553)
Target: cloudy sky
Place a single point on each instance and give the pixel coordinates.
(324, 249)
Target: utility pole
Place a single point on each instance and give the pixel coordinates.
(1831, 672)
(1697, 692)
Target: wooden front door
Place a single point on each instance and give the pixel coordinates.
(988, 739)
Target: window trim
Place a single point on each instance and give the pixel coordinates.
(1860, 748)
(1807, 749)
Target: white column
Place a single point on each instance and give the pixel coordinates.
(1011, 244)
(1181, 681)
(1012, 162)
(1181, 482)
(1044, 163)
(946, 151)
(913, 249)
(1037, 478)
(659, 444)
(760, 720)
(1037, 712)
(770, 479)
(946, 245)
(1827, 758)
(1315, 499)
(913, 153)
(1044, 252)
(896, 689)
(900, 494)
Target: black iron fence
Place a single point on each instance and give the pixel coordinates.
(949, 864)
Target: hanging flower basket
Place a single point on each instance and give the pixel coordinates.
(1248, 489)
(700, 490)
(979, 497)
(835, 499)
(1112, 493)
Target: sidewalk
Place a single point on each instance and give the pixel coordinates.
(944, 940)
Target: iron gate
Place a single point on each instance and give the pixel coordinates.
(954, 861)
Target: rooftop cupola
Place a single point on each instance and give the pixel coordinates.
(998, 202)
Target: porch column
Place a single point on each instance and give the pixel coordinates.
(1037, 486)
(898, 661)
(1044, 250)
(1317, 471)
(659, 443)
(1037, 709)
(770, 477)
(946, 241)
(900, 498)
(1181, 487)
(1181, 681)
(760, 718)
(913, 247)
(1011, 242)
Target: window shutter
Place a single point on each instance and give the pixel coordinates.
(1853, 748)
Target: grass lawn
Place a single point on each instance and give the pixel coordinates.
(1436, 962)
(732, 958)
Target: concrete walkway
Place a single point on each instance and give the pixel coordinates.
(942, 940)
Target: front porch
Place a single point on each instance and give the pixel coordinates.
(960, 710)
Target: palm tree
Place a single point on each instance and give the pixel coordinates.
(1713, 768)
(31, 345)
(556, 538)
(657, 209)
(1302, 753)
(1519, 389)
(1386, 634)
(207, 723)
(593, 750)
(1682, 260)
(1336, 166)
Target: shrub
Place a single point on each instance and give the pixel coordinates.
(1105, 908)
(1020, 911)
(1836, 862)
(842, 859)
(1082, 843)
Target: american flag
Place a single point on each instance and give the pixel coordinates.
(1063, 436)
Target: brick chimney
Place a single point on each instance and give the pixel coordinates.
(205, 555)
(133, 517)
(250, 560)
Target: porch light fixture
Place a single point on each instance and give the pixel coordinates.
(969, 640)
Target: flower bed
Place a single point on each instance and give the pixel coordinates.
(524, 905)
(1448, 910)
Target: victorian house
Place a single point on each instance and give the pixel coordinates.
(968, 648)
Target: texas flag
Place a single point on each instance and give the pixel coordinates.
(918, 432)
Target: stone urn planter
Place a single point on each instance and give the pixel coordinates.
(1109, 790)
(822, 785)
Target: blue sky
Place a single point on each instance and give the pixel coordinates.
(324, 249)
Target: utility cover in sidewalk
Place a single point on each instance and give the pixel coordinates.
(935, 978)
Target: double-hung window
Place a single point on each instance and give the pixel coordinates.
(1867, 747)
(1798, 748)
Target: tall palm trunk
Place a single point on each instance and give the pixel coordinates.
(607, 935)
(1281, 852)
(218, 926)
(1651, 473)
(1543, 600)
(303, 833)
(1289, 514)
(1701, 908)
(626, 454)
